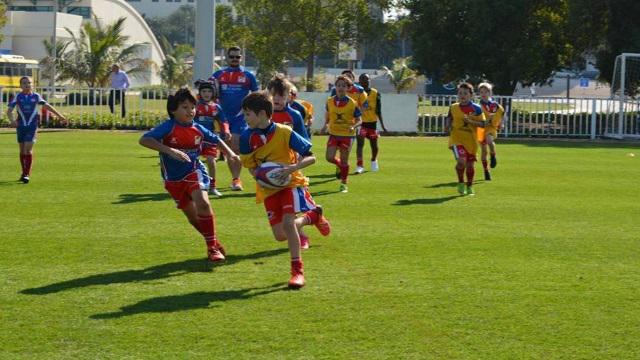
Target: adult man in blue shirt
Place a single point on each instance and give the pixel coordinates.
(119, 86)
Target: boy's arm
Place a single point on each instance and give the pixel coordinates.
(447, 122)
(53, 110)
(379, 112)
(357, 114)
(12, 121)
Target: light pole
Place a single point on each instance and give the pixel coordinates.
(54, 53)
(205, 39)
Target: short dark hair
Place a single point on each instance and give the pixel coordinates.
(233, 48)
(182, 95)
(279, 85)
(344, 78)
(257, 101)
(363, 76)
(466, 85)
(349, 73)
(211, 84)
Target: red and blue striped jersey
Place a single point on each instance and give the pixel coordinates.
(188, 138)
(292, 118)
(235, 84)
(28, 108)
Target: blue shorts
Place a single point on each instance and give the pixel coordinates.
(237, 124)
(27, 133)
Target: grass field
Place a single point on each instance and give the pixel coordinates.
(426, 107)
(542, 263)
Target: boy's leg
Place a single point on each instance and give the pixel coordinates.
(206, 224)
(330, 156)
(27, 159)
(344, 162)
(470, 169)
(359, 156)
(492, 150)
(373, 141)
(235, 167)
(461, 164)
(483, 158)
(293, 239)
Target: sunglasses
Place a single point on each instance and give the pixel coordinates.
(235, 56)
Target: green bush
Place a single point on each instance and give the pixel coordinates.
(88, 98)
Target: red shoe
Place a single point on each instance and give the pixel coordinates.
(322, 225)
(215, 254)
(297, 275)
(304, 242)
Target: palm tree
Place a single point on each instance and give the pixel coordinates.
(97, 47)
(175, 70)
(402, 77)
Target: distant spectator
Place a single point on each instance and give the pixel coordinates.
(119, 86)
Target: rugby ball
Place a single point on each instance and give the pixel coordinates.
(266, 176)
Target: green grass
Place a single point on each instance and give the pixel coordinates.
(542, 263)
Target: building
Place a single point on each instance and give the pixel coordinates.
(29, 22)
(164, 8)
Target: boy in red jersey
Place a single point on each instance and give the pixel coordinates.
(280, 89)
(27, 104)
(494, 113)
(464, 117)
(266, 141)
(210, 115)
(179, 141)
(302, 104)
(341, 119)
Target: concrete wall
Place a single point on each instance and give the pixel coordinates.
(399, 111)
(163, 8)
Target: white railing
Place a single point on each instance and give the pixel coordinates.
(89, 108)
(545, 117)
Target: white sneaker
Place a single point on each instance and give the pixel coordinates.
(374, 166)
(359, 170)
(216, 192)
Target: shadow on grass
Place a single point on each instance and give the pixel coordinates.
(449, 185)
(151, 273)
(134, 198)
(323, 176)
(432, 201)
(318, 182)
(191, 301)
(227, 193)
(324, 192)
(11, 183)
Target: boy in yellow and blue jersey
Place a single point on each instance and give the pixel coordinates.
(494, 113)
(464, 117)
(266, 141)
(370, 117)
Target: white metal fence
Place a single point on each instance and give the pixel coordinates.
(545, 117)
(525, 116)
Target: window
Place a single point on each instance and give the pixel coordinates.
(83, 11)
(31, 8)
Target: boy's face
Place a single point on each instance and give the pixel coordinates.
(206, 94)
(25, 84)
(279, 102)
(185, 112)
(341, 88)
(254, 120)
(484, 93)
(364, 81)
(464, 95)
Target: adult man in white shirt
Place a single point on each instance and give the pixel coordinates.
(119, 86)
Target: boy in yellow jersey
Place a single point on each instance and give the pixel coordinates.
(494, 113)
(308, 109)
(368, 130)
(341, 119)
(464, 117)
(266, 141)
(355, 91)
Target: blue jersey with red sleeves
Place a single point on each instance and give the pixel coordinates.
(235, 84)
(292, 118)
(211, 116)
(27, 105)
(188, 138)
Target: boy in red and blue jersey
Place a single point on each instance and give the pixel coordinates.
(210, 115)
(179, 141)
(355, 91)
(27, 103)
(235, 83)
(266, 141)
(280, 88)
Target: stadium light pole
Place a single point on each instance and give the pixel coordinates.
(205, 39)
(54, 40)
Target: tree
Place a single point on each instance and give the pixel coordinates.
(402, 77)
(3, 17)
(505, 41)
(96, 48)
(175, 71)
(301, 29)
(56, 55)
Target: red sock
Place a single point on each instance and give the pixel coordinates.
(471, 171)
(213, 183)
(485, 165)
(460, 172)
(360, 162)
(344, 172)
(28, 160)
(206, 226)
(312, 217)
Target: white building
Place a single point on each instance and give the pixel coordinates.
(164, 8)
(29, 22)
